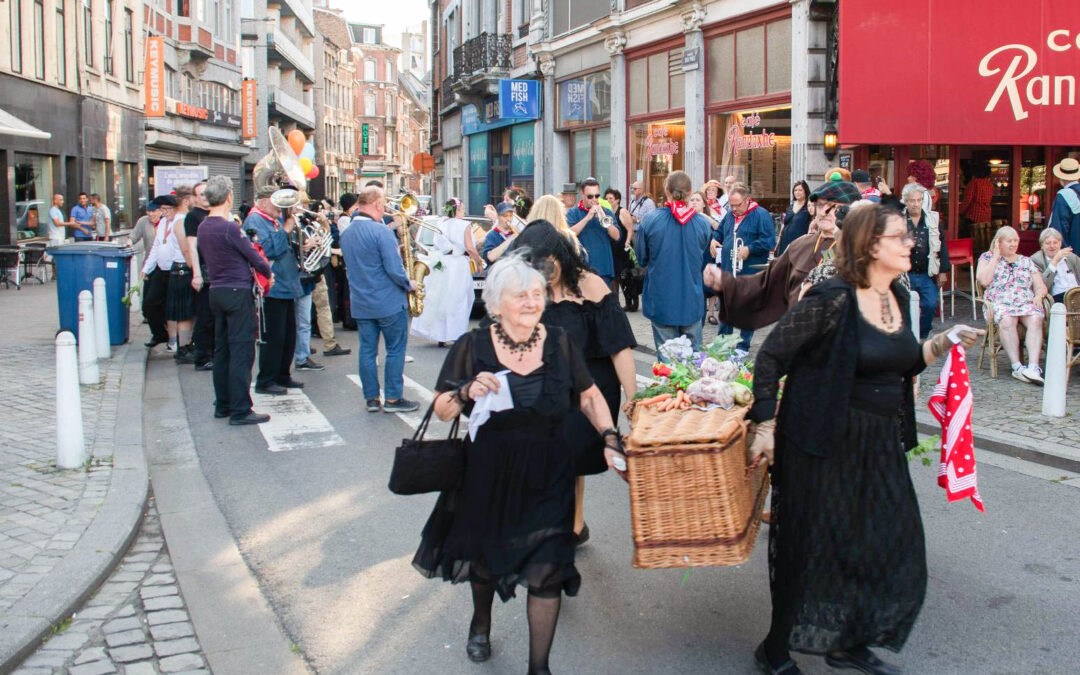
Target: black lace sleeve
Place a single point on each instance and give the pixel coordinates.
(805, 325)
(611, 327)
(458, 366)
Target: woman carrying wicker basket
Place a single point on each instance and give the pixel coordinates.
(847, 558)
(586, 308)
(510, 523)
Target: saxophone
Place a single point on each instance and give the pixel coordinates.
(416, 270)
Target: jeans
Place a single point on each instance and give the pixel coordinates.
(662, 334)
(395, 332)
(744, 335)
(927, 288)
(303, 329)
(275, 356)
(234, 348)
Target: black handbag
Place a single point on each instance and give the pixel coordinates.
(428, 466)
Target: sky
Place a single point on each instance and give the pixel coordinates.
(395, 15)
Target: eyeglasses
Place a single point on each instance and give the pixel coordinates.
(905, 238)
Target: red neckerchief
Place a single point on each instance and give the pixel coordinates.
(265, 215)
(681, 211)
(506, 233)
(581, 205)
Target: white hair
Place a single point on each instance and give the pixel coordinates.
(1049, 233)
(912, 188)
(509, 273)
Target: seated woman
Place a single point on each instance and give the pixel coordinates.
(1060, 267)
(1016, 290)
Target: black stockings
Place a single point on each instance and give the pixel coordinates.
(482, 596)
(543, 617)
(776, 649)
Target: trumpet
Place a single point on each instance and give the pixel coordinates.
(736, 261)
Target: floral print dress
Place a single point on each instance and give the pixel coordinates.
(1012, 292)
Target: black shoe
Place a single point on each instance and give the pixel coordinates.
(478, 648)
(400, 405)
(291, 384)
(250, 418)
(308, 364)
(863, 660)
(788, 667)
(272, 389)
(205, 365)
(336, 351)
(184, 355)
(583, 536)
(221, 414)
(153, 342)
(373, 405)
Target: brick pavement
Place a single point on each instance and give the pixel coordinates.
(137, 623)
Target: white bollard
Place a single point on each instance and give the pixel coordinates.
(135, 286)
(70, 445)
(101, 320)
(913, 308)
(88, 368)
(1054, 388)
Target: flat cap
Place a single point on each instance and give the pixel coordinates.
(840, 191)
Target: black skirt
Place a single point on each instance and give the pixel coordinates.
(847, 556)
(180, 301)
(511, 523)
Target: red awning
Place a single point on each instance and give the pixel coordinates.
(970, 72)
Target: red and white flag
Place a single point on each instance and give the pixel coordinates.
(951, 405)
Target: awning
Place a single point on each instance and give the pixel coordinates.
(13, 126)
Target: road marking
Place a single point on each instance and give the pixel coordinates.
(421, 395)
(295, 423)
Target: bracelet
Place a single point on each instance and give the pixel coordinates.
(610, 431)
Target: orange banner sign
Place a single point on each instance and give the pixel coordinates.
(248, 101)
(154, 83)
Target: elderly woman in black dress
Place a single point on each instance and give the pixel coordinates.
(510, 523)
(588, 310)
(847, 557)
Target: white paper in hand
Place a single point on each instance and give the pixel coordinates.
(490, 402)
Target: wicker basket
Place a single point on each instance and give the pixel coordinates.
(693, 502)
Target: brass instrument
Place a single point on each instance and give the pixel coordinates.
(736, 261)
(406, 207)
(280, 169)
(316, 258)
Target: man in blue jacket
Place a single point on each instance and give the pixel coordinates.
(1065, 218)
(274, 233)
(670, 244)
(753, 227)
(378, 286)
(584, 220)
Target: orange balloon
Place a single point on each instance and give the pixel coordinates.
(314, 173)
(305, 165)
(296, 140)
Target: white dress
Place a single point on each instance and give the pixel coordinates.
(448, 290)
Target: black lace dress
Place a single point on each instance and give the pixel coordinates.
(511, 523)
(600, 330)
(847, 559)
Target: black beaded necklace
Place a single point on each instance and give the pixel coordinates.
(521, 348)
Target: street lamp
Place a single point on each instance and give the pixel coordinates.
(830, 141)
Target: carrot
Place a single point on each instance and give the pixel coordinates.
(654, 399)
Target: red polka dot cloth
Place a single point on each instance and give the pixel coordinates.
(951, 405)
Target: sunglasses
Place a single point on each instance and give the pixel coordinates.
(596, 196)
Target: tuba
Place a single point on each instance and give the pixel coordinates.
(279, 169)
(405, 207)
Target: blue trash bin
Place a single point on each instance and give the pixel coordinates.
(77, 265)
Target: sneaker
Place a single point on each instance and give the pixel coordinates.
(400, 405)
(338, 350)
(205, 365)
(310, 365)
(409, 359)
(1034, 375)
(373, 405)
(1019, 373)
(171, 347)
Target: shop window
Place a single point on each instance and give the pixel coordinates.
(1034, 204)
(33, 192)
(657, 82)
(754, 146)
(881, 164)
(657, 149)
(584, 100)
(591, 156)
(751, 62)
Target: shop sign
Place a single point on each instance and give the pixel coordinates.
(472, 124)
(1014, 82)
(574, 95)
(659, 143)
(742, 136)
(168, 178)
(519, 99)
(155, 77)
(249, 101)
(364, 135)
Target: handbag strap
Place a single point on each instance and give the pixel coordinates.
(421, 429)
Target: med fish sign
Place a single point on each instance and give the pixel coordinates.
(1008, 73)
(519, 99)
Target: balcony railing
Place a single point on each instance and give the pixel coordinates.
(277, 40)
(485, 52)
(291, 107)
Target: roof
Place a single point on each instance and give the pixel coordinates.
(333, 27)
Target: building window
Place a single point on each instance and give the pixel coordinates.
(39, 39)
(369, 104)
(370, 70)
(755, 147)
(88, 33)
(736, 69)
(129, 47)
(16, 35)
(108, 37)
(657, 82)
(590, 155)
(368, 37)
(61, 44)
(570, 14)
(33, 191)
(656, 149)
(584, 100)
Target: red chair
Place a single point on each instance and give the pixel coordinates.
(961, 252)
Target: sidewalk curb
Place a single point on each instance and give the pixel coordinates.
(75, 578)
(1046, 453)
